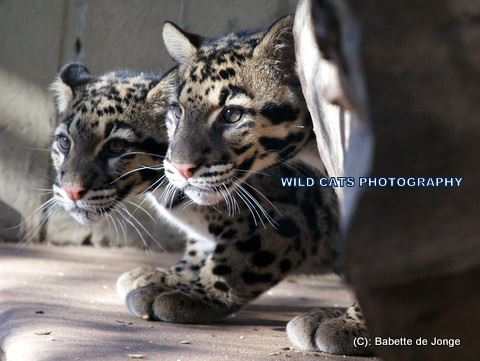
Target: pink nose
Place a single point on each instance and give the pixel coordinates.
(186, 170)
(74, 192)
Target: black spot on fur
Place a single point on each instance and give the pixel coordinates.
(250, 245)
(251, 278)
(108, 129)
(277, 144)
(223, 74)
(149, 174)
(279, 112)
(263, 258)
(285, 265)
(221, 286)
(247, 163)
(215, 229)
(222, 270)
(236, 90)
(150, 145)
(243, 149)
(224, 93)
(68, 120)
(229, 233)
(220, 248)
(287, 227)
(116, 125)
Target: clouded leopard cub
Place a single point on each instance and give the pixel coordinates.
(236, 123)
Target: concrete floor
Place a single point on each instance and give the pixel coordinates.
(59, 303)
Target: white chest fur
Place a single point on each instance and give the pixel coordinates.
(188, 220)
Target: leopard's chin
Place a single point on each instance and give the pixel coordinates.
(202, 197)
(85, 217)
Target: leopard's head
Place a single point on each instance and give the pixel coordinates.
(109, 142)
(239, 108)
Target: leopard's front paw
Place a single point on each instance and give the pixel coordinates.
(154, 294)
(156, 302)
(138, 277)
(331, 331)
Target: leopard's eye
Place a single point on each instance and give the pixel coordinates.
(177, 111)
(116, 147)
(232, 115)
(64, 143)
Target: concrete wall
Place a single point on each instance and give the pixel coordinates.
(37, 37)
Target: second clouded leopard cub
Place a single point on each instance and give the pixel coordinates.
(236, 122)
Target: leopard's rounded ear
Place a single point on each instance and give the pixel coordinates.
(180, 44)
(277, 43)
(70, 76)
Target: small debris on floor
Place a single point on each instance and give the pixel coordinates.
(185, 342)
(137, 356)
(284, 351)
(43, 333)
(242, 337)
(40, 312)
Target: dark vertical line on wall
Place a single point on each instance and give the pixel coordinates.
(80, 31)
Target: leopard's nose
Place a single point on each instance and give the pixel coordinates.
(186, 170)
(74, 192)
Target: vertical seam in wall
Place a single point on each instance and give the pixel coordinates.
(80, 31)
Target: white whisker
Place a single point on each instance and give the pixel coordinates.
(143, 167)
(138, 206)
(141, 226)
